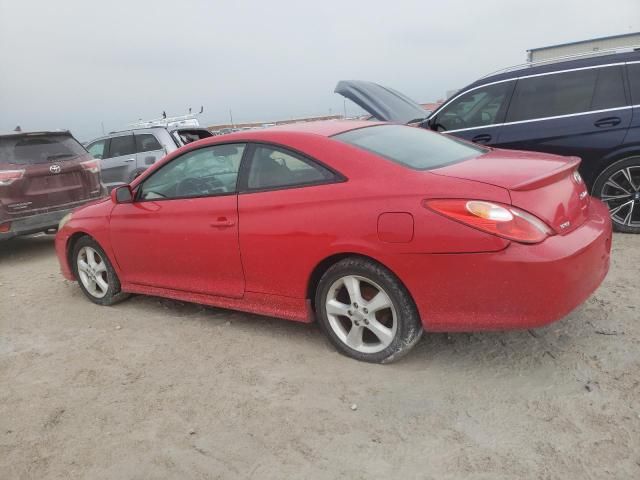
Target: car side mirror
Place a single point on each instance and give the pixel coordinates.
(122, 194)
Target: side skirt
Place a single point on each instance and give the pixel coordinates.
(288, 308)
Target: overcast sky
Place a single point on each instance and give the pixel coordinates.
(76, 63)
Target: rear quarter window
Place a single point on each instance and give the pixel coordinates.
(412, 147)
(633, 70)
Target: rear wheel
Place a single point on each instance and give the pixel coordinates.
(366, 312)
(96, 276)
(618, 186)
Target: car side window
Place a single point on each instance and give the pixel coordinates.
(272, 167)
(199, 173)
(567, 93)
(609, 91)
(146, 142)
(479, 107)
(633, 70)
(96, 149)
(120, 146)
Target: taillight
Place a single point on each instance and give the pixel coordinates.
(92, 166)
(502, 220)
(5, 227)
(7, 177)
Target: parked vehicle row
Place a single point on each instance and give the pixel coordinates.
(587, 107)
(378, 231)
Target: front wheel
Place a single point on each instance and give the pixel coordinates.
(95, 274)
(618, 186)
(366, 312)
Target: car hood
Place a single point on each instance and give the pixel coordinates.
(383, 103)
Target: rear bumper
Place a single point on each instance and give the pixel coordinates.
(40, 222)
(35, 223)
(522, 286)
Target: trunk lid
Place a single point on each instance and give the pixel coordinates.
(382, 103)
(43, 172)
(547, 186)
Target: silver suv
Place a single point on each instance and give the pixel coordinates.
(125, 155)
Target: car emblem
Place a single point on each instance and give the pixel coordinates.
(565, 225)
(583, 194)
(577, 177)
(54, 168)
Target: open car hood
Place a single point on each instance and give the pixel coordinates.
(381, 102)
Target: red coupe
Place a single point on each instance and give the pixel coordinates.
(378, 231)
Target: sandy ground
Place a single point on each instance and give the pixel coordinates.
(159, 389)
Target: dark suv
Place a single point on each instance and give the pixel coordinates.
(43, 176)
(587, 107)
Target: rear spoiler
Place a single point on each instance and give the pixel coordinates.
(548, 178)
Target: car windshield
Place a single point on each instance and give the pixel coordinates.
(412, 147)
(34, 149)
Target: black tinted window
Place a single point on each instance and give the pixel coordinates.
(122, 146)
(273, 167)
(413, 147)
(567, 93)
(634, 79)
(147, 143)
(482, 106)
(32, 149)
(609, 91)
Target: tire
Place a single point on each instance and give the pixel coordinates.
(97, 278)
(621, 179)
(344, 299)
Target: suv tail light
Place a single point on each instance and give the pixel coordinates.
(7, 177)
(502, 220)
(91, 166)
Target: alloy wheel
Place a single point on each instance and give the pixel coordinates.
(92, 271)
(361, 314)
(621, 193)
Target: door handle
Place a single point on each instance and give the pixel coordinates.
(607, 122)
(482, 138)
(222, 222)
(129, 160)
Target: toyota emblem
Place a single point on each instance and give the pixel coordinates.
(54, 168)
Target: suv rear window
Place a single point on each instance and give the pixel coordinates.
(34, 149)
(412, 147)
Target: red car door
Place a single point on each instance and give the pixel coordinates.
(181, 231)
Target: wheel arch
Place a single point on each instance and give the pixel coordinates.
(327, 262)
(612, 157)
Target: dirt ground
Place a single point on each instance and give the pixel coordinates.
(152, 389)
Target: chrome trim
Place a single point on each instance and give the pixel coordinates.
(542, 118)
(514, 79)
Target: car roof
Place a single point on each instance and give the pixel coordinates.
(323, 128)
(142, 129)
(615, 58)
(35, 133)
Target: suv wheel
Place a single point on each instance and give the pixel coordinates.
(618, 186)
(366, 312)
(96, 276)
